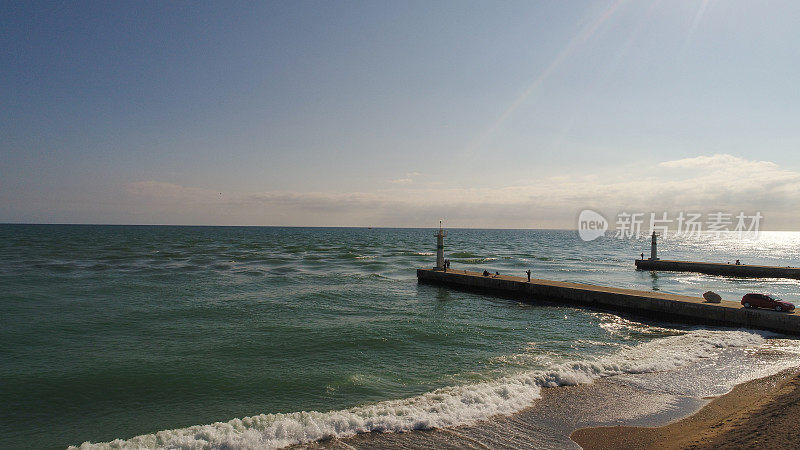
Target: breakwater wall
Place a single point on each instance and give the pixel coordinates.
(649, 303)
(735, 270)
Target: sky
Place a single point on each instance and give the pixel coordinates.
(513, 114)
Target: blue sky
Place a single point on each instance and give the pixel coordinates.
(487, 114)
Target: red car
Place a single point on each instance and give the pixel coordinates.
(766, 301)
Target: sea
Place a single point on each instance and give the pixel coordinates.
(268, 337)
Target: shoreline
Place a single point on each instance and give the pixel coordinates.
(614, 414)
(759, 412)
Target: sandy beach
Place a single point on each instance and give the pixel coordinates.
(760, 413)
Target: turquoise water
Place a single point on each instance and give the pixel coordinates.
(110, 332)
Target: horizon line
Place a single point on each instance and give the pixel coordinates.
(331, 226)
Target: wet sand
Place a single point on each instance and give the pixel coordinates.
(760, 413)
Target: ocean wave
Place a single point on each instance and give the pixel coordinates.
(464, 255)
(449, 406)
(410, 253)
(440, 408)
(474, 260)
(659, 355)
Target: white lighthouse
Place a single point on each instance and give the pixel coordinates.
(653, 245)
(440, 247)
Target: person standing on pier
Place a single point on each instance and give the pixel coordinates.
(529, 275)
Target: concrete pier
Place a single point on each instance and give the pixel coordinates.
(719, 269)
(655, 304)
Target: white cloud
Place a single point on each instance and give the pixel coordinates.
(168, 191)
(718, 160)
(407, 179)
(701, 184)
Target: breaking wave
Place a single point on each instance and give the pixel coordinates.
(474, 260)
(445, 407)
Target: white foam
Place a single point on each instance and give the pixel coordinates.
(450, 406)
(659, 355)
(440, 408)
